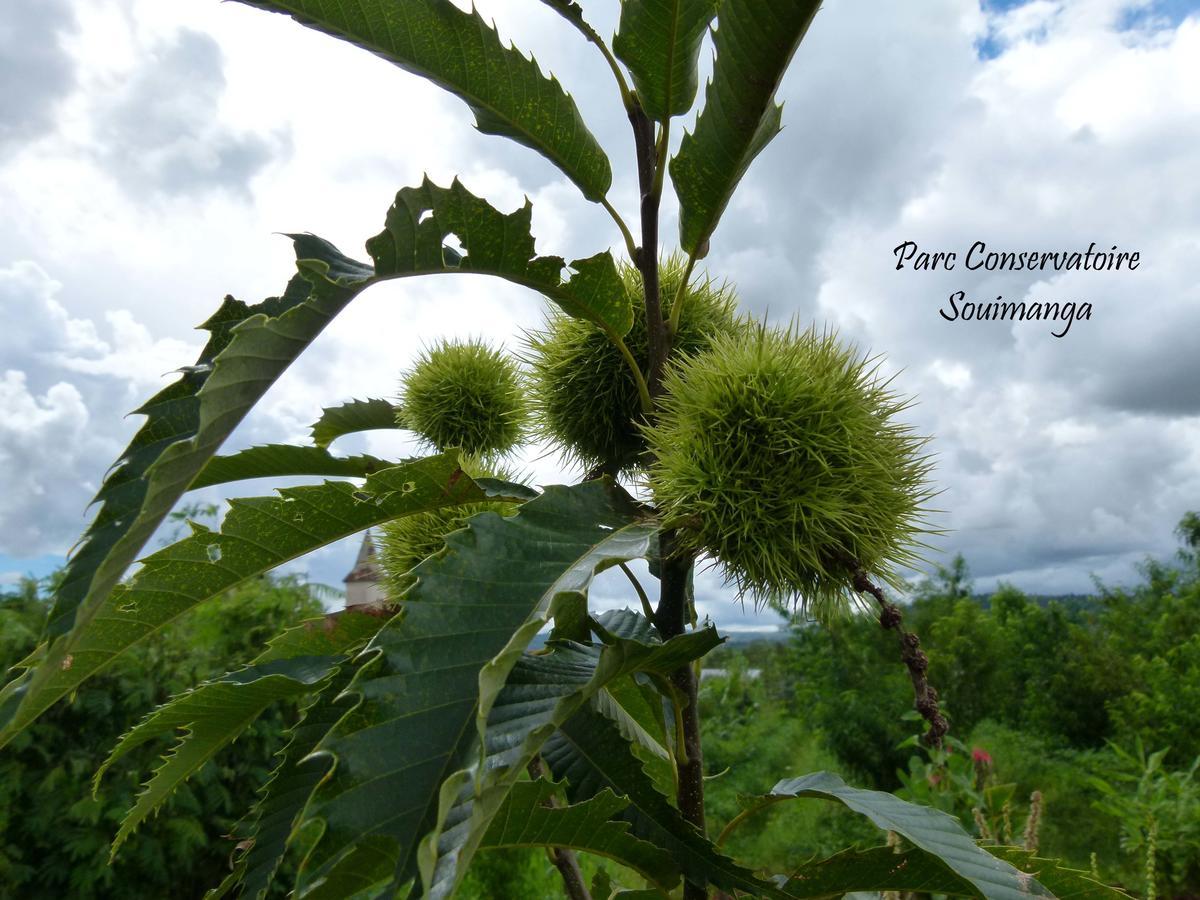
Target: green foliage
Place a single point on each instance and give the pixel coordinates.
(278, 460)
(408, 540)
(1159, 815)
(780, 456)
(590, 753)
(914, 872)
(212, 715)
(528, 820)
(532, 560)
(585, 395)
(55, 837)
(753, 730)
(467, 395)
(1047, 690)
(963, 782)
(258, 534)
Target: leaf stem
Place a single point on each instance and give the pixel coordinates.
(638, 377)
(630, 244)
(647, 609)
(589, 32)
(660, 157)
(739, 819)
(681, 295)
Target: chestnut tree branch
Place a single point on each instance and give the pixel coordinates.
(914, 658)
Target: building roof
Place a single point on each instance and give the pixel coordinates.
(366, 565)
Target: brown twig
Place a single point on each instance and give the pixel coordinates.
(915, 660)
(564, 860)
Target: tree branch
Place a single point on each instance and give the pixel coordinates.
(564, 859)
(914, 659)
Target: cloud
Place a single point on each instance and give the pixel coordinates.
(36, 72)
(40, 443)
(66, 386)
(163, 131)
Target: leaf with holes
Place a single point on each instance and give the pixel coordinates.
(423, 219)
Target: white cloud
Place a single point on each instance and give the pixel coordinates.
(66, 387)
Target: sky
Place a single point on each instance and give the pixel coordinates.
(151, 154)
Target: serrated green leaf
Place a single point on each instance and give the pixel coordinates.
(526, 820)
(401, 753)
(635, 706)
(540, 693)
(660, 42)
(283, 798)
(460, 52)
(352, 417)
(280, 460)
(637, 711)
(589, 753)
(249, 348)
(1063, 882)
(928, 829)
(421, 220)
(211, 716)
(258, 534)
(755, 40)
(214, 713)
(916, 871)
(329, 635)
